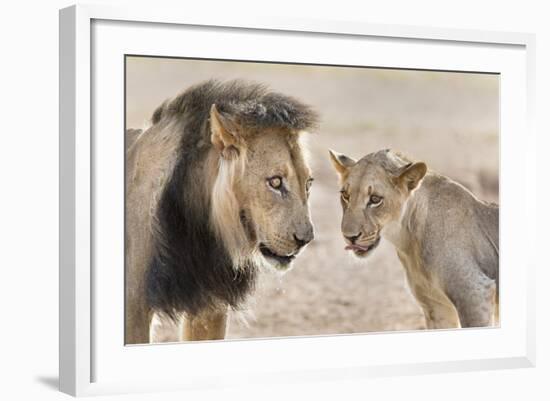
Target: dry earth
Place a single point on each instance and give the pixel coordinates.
(448, 120)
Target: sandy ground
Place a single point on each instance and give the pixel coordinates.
(448, 120)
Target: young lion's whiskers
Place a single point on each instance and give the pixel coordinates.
(370, 237)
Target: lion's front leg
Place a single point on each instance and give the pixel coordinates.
(210, 325)
(138, 319)
(163, 329)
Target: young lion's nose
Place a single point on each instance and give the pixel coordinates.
(352, 238)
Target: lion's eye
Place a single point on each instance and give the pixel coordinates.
(309, 183)
(275, 182)
(345, 196)
(375, 200)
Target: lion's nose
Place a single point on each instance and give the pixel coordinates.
(304, 239)
(352, 238)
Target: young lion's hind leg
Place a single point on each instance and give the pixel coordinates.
(475, 301)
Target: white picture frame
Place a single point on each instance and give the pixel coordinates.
(85, 356)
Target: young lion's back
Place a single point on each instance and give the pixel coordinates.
(459, 228)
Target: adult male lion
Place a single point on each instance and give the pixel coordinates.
(217, 185)
(446, 239)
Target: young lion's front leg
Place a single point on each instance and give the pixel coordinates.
(439, 313)
(210, 325)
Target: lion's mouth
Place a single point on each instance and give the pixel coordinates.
(362, 250)
(281, 259)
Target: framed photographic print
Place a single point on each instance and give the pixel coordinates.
(258, 200)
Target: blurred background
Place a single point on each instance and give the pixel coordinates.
(449, 120)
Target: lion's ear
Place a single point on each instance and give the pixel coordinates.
(341, 163)
(412, 174)
(223, 133)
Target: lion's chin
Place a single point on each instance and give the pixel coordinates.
(278, 262)
(279, 267)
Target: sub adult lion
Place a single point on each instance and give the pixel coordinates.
(215, 187)
(446, 238)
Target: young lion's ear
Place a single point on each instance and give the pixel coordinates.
(412, 174)
(224, 135)
(341, 163)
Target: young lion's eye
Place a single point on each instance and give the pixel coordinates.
(275, 182)
(374, 200)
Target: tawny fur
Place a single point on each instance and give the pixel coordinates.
(198, 207)
(445, 237)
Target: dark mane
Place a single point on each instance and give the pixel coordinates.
(190, 269)
(252, 104)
